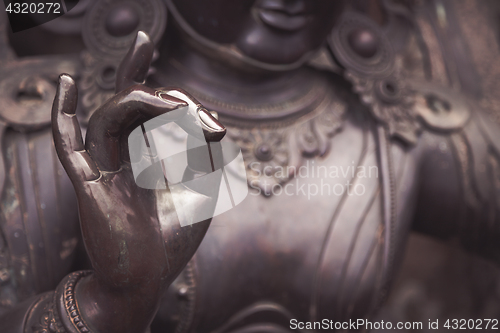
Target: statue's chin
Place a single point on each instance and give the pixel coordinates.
(240, 54)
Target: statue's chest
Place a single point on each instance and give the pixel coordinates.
(312, 250)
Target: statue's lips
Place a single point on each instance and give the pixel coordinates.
(281, 20)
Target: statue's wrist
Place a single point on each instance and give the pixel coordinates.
(101, 307)
(67, 306)
(58, 311)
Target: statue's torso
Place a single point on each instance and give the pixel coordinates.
(294, 256)
(314, 249)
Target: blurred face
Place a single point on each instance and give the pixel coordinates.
(271, 31)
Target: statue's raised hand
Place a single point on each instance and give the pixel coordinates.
(132, 235)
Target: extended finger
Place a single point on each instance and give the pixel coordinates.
(67, 134)
(135, 65)
(112, 122)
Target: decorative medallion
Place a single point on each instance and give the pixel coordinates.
(109, 28)
(360, 46)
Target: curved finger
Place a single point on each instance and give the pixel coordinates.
(67, 134)
(135, 65)
(211, 129)
(110, 125)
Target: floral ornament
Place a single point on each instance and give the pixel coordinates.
(266, 157)
(273, 155)
(313, 136)
(391, 101)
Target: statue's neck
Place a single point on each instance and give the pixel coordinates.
(218, 69)
(220, 82)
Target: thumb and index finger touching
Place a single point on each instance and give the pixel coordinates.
(103, 145)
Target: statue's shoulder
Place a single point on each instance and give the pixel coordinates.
(28, 81)
(407, 107)
(76, 43)
(382, 70)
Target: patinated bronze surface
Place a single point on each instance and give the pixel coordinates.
(358, 122)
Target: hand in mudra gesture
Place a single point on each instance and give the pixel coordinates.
(132, 235)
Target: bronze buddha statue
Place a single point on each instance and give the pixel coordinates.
(352, 136)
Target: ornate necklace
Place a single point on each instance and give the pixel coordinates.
(277, 137)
